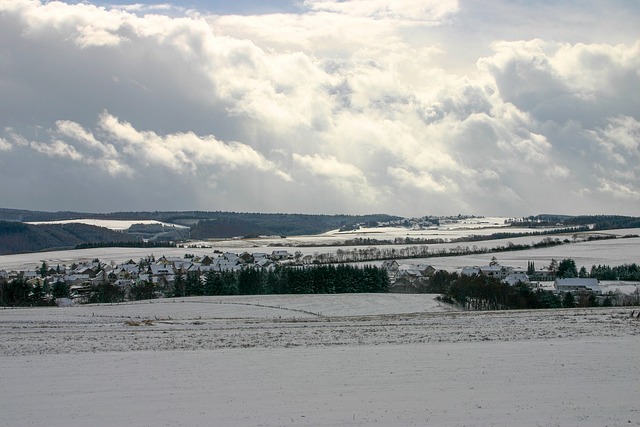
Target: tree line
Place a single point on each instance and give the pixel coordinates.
(417, 251)
(567, 269)
(480, 292)
(321, 279)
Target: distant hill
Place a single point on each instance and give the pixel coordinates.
(17, 237)
(203, 225)
(599, 222)
(238, 224)
(218, 224)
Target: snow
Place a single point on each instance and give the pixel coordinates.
(611, 252)
(566, 383)
(317, 360)
(322, 360)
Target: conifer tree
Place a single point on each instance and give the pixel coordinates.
(569, 300)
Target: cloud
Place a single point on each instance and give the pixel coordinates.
(329, 167)
(421, 180)
(620, 139)
(562, 81)
(618, 190)
(407, 107)
(406, 10)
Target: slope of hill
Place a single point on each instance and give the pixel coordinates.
(17, 237)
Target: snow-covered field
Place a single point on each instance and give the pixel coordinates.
(317, 360)
(598, 252)
(610, 252)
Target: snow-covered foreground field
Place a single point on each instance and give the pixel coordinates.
(316, 360)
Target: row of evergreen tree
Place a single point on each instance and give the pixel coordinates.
(19, 293)
(629, 272)
(322, 279)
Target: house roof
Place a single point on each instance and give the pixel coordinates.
(578, 282)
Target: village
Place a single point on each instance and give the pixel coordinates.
(75, 283)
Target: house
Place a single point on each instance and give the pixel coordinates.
(127, 271)
(515, 278)
(182, 265)
(53, 270)
(578, 284)
(224, 264)
(407, 270)
(470, 271)
(246, 257)
(257, 256)
(76, 279)
(279, 254)
(100, 278)
(85, 270)
(425, 269)
(265, 264)
(206, 261)
(390, 265)
(392, 268)
(30, 274)
(496, 271)
(161, 269)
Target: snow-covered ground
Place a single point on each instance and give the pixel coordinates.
(611, 252)
(598, 252)
(317, 360)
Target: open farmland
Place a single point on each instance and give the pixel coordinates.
(360, 359)
(606, 252)
(611, 252)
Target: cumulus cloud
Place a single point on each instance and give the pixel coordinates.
(406, 107)
(562, 81)
(123, 149)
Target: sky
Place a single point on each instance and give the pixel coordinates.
(404, 107)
